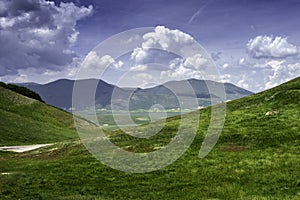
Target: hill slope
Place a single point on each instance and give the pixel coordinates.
(257, 157)
(28, 121)
(270, 118)
(22, 90)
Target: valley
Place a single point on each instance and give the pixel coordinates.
(256, 157)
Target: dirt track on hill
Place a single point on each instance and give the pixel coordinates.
(20, 149)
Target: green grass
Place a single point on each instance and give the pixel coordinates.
(27, 121)
(256, 157)
(137, 116)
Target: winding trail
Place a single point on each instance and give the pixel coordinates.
(20, 149)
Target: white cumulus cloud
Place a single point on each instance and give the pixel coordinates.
(139, 54)
(281, 72)
(95, 63)
(196, 62)
(161, 38)
(271, 47)
(191, 67)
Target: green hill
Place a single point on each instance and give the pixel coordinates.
(22, 90)
(256, 157)
(28, 121)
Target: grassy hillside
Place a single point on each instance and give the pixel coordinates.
(22, 90)
(28, 121)
(257, 157)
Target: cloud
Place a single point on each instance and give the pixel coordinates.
(143, 77)
(152, 56)
(165, 38)
(152, 60)
(199, 11)
(138, 55)
(243, 83)
(118, 65)
(94, 63)
(281, 72)
(168, 40)
(136, 79)
(196, 62)
(271, 47)
(266, 74)
(242, 61)
(190, 67)
(38, 34)
(225, 66)
(161, 38)
(139, 68)
(226, 78)
(40, 76)
(179, 73)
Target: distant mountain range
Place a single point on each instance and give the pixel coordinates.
(59, 93)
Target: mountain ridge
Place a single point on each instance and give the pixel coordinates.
(59, 93)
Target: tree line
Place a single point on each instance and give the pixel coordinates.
(22, 90)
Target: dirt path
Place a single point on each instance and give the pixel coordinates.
(20, 149)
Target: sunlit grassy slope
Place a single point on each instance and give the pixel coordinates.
(27, 121)
(257, 157)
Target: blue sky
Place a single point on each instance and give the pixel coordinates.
(254, 43)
